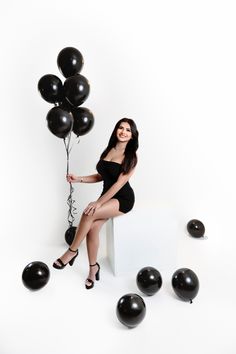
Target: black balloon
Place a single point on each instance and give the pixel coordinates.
(149, 280)
(185, 284)
(83, 120)
(130, 310)
(70, 234)
(51, 88)
(76, 89)
(196, 228)
(60, 122)
(70, 61)
(35, 275)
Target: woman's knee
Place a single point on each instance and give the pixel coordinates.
(108, 210)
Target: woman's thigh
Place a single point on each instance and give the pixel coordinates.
(110, 209)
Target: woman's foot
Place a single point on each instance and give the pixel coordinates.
(68, 257)
(94, 270)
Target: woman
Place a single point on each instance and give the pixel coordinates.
(115, 167)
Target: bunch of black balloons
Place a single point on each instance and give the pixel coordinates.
(67, 116)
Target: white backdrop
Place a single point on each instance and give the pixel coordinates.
(169, 65)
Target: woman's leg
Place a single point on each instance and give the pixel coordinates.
(92, 241)
(107, 210)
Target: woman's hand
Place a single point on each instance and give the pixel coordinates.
(92, 207)
(72, 178)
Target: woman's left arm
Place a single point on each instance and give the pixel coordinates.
(121, 181)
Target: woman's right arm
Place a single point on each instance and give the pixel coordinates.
(84, 179)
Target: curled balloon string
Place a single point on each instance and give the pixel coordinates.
(70, 200)
(72, 208)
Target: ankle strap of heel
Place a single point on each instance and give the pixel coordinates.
(92, 265)
(72, 250)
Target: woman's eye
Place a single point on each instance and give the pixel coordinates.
(121, 128)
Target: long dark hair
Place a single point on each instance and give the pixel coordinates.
(130, 160)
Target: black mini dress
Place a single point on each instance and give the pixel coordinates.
(110, 171)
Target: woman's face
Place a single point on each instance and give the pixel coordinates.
(123, 132)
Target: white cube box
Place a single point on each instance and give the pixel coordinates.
(143, 237)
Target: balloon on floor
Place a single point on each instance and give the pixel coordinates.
(70, 234)
(196, 228)
(35, 275)
(149, 280)
(185, 284)
(130, 310)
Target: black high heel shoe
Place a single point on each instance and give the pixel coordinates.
(62, 265)
(97, 277)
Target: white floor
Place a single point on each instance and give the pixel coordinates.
(64, 317)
